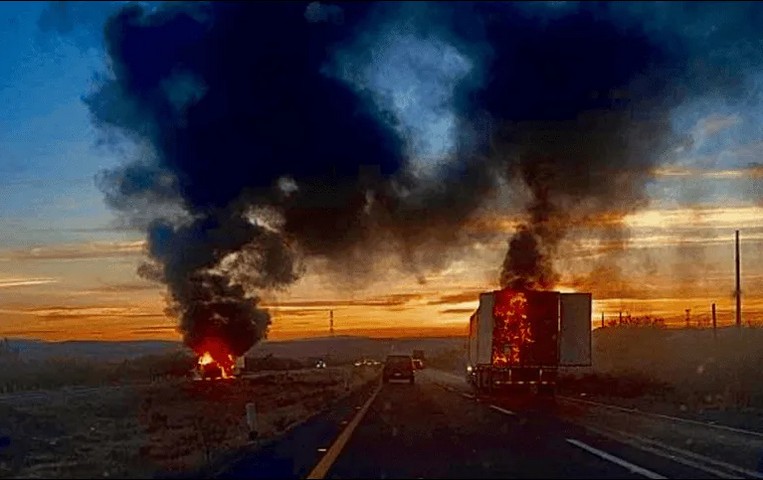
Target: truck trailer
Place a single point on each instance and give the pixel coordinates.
(520, 338)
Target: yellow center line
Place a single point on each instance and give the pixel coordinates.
(322, 468)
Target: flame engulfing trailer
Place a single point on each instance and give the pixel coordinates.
(522, 337)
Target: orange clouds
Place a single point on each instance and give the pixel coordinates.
(91, 290)
(25, 282)
(75, 251)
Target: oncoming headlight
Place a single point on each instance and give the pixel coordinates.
(469, 368)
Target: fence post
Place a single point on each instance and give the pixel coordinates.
(715, 331)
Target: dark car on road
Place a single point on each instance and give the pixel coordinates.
(398, 367)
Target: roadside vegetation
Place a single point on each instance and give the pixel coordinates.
(695, 369)
(639, 360)
(145, 417)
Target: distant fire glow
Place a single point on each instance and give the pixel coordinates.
(215, 362)
(512, 332)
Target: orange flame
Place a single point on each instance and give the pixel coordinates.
(512, 331)
(225, 369)
(206, 359)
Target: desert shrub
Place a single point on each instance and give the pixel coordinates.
(694, 363)
(272, 363)
(644, 321)
(453, 359)
(17, 374)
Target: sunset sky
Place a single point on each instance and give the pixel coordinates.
(68, 265)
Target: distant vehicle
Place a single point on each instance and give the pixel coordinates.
(320, 364)
(398, 367)
(519, 338)
(366, 363)
(418, 359)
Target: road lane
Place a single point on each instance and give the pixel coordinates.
(437, 429)
(297, 452)
(424, 431)
(709, 451)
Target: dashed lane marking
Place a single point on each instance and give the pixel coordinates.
(616, 460)
(666, 417)
(502, 410)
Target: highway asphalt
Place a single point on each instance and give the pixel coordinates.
(431, 430)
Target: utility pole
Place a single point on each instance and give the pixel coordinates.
(688, 317)
(331, 323)
(738, 284)
(602, 319)
(715, 332)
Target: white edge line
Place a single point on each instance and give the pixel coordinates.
(641, 444)
(616, 460)
(676, 458)
(467, 395)
(688, 454)
(502, 410)
(668, 417)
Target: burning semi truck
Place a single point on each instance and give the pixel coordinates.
(520, 338)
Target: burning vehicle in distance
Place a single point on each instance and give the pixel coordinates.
(209, 367)
(520, 338)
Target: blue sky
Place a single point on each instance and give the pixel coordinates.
(48, 152)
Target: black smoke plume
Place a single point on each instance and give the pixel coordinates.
(581, 106)
(231, 102)
(250, 156)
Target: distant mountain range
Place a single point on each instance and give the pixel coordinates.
(338, 348)
(347, 348)
(92, 350)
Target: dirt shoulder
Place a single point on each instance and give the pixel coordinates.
(158, 429)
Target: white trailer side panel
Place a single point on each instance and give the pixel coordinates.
(485, 329)
(575, 326)
(473, 337)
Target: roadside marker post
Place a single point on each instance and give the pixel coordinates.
(251, 420)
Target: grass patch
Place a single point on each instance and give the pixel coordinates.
(140, 430)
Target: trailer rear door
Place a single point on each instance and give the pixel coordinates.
(575, 327)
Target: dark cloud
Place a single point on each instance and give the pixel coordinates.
(255, 153)
(466, 296)
(122, 288)
(459, 311)
(383, 301)
(154, 329)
